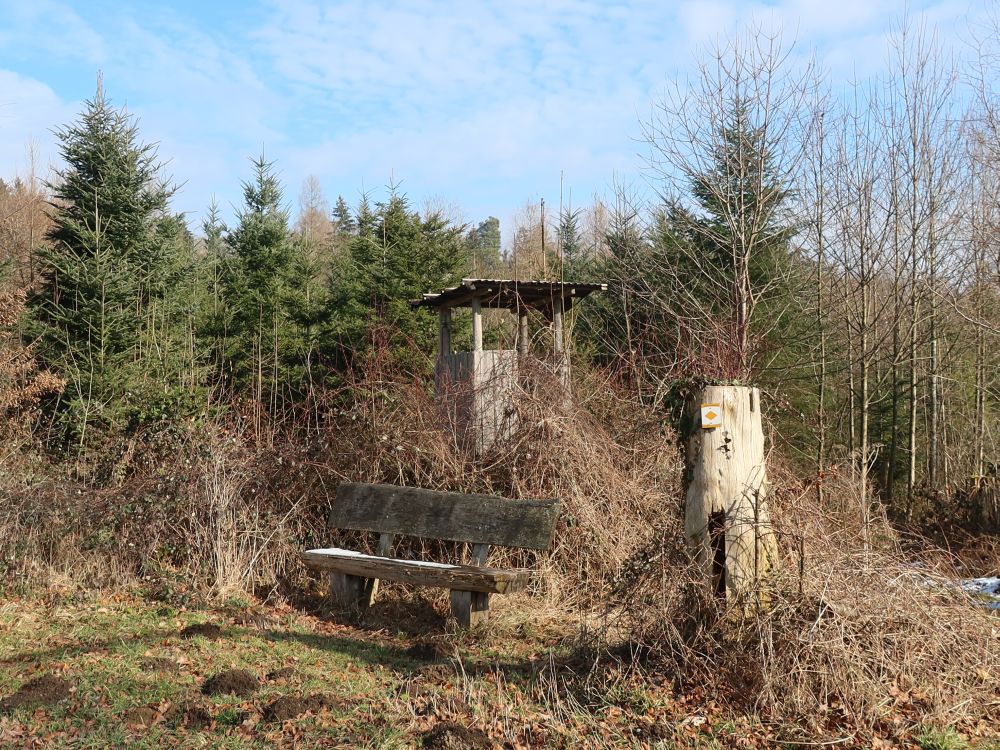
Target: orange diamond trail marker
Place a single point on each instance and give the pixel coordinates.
(711, 416)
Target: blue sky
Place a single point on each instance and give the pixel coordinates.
(477, 105)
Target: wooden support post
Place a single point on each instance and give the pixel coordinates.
(472, 608)
(444, 335)
(726, 517)
(477, 325)
(523, 332)
(347, 591)
(557, 326)
(371, 584)
(558, 342)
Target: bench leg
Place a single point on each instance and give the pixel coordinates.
(347, 591)
(470, 608)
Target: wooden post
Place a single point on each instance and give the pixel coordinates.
(523, 333)
(477, 325)
(444, 335)
(347, 591)
(371, 584)
(558, 341)
(726, 517)
(472, 608)
(557, 325)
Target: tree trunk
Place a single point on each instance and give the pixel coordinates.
(727, 520)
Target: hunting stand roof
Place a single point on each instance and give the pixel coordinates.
(510, 294)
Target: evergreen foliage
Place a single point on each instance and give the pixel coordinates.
(269, 289)
(484, 246)
(343, 219)
(110, 312)
(396, 256)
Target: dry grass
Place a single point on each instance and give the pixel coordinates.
(866, 641)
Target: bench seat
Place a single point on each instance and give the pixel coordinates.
(419, 572)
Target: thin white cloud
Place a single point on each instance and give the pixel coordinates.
(483, 101)
(29, 109)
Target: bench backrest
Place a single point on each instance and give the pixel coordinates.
(452, 516)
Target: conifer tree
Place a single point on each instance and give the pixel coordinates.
(112, 258)
(343, 220)
(395, 257)
(484, 245)
(265, 279)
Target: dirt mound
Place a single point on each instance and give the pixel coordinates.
(284, 673)
(449, 736)
(205, 629)
(159, 664)
(41, 691)
(288, 707)
(191, 715)
(232, 682)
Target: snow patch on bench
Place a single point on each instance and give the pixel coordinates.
(338, 552)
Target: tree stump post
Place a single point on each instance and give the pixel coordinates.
(726, 519)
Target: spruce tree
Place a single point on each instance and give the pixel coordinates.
(343, 220)
(395, 257)
(267, 283)
(484, 245)
(106, 312)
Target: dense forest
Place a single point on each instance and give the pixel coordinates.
(196, 391)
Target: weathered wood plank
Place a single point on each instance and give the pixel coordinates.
(417, 573)
(451, 516)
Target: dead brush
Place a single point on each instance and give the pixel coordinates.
(865, 641)
(616, 485)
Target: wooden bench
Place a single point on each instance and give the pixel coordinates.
(480, 520)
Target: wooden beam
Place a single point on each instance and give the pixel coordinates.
(444, 335)
(371, 585)
(453, 516)
(346, 591)
(417, 573)
(472, 608)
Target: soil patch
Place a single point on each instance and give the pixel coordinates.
(204, 629)
(285, 673)
(232, 682)
(42, 691)
(160, 664)
(288, 707)
(450, 736)
(253, 620)
(190, 715)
